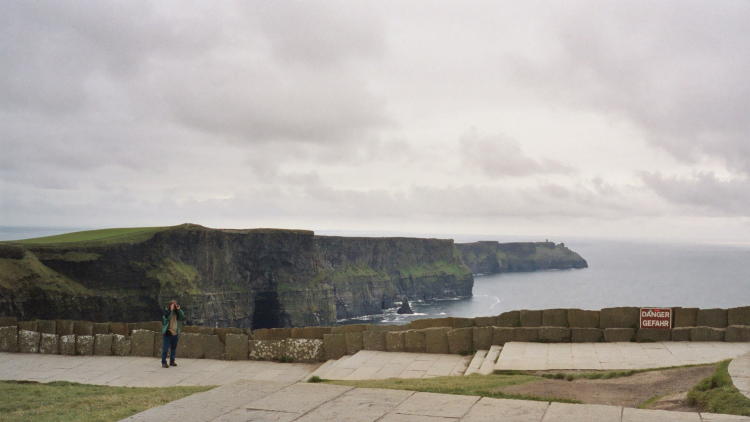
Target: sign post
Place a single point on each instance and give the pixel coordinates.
(659, 318)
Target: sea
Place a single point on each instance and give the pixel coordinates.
(620, 273)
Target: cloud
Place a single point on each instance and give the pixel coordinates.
(703, 193)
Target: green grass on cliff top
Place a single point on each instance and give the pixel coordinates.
(103, 236)
(67, 401)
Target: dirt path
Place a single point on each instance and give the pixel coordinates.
(626, 391)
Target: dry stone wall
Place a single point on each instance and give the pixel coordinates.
(313, 344)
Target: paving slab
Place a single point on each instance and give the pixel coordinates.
(373, 364)
(650, 415)
(434, 404)
(358, 405)
(565, 412)
(399, 417)
(298, 398)
(715, 417)
(492, 410)
(739, 370)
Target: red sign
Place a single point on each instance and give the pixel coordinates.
(656, 318)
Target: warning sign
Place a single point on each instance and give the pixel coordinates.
(656, 318)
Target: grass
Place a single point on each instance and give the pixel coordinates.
(66, 401)
(472, 385)
(571, 376)
(717, 394)
(99, 237)
(651, 400)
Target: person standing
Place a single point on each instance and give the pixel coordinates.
(171, 323)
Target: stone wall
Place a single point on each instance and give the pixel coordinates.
(313, 344)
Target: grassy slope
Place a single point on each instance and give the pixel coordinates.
(99, 237)
(65, 401)
(717, 394)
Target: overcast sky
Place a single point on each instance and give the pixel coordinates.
(551, 119)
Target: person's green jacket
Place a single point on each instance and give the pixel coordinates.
(165, 320)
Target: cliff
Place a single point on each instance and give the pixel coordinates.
(245, 278)
(490, 257)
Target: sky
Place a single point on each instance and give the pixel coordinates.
(536, 118)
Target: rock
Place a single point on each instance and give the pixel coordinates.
(681, 333)
(737, 333)
(436, 339)
(457, 322)
(684, 317)
(8, 321)
(488, 321)
(213, 348)
(353, 342)
(419, 324)
(716, 318)
(531, 318)
(738, 316)
(526, 334)
(101, 328)
(195, 329)
(190, 345)
(84, 345)
(48, 344)
(236, 346)
(460, 340)
(586, 335)
(579, 318)
(28, 341)
(121, 345)
(554, 334)
(614, 335)
(83, 328)
(142, 343)
(373, 340)
(404, 308)
(9, 339)
(509, 319)
(652, 335)
(272, 333)
(414, 341)
(304, 350)
(46, 326)
(394, 341)
(335, 345)
(120, 328)
(103, 344)
(266, 349)
(64, 327)
(482, 338)
(315, 332)
(223, 331)
(154, 326)
(502, 335)
(27, 326)
(707, 333)
(67, 344)
(555, 318)
(622, 317)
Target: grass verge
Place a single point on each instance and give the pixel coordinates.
(571, 376)
(67, 401)
(472, 385)
(717, 394)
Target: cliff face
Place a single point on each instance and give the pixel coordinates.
(243, 278)
(492, 257)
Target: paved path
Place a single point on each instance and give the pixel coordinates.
(143, 371)
(370, 364)
(605, 356)
(739, 370)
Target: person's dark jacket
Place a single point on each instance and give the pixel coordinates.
(165, 320)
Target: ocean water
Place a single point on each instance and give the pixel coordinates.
(619, 274)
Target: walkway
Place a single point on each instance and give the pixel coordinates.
(739, 370)
(370, 364)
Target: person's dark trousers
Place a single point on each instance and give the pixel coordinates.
(169, 343)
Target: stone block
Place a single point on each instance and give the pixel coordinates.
(436, 339)
(158, 343)
(83, 328)
(526, 334)
(120, 328)
(223, 331)
(738, 316)
(509, 319)
(354, 328)
(64, 327)
(28, 326)
(554, 334)
(462, 322)
(190, 346)
(213, 348)
(394, 341)
(272, 333)
(49, 344)
(197, 329)
(681, 334)
(154, 326)
(373, 340)
(420, 324)
(502, 335)
(460, 340)
(121, 345)
(142, 343)
(303, 350)
(530, 318)
(353, 342)
(28, 341)
(414, 341)
(488, 321)
(236, 346)
(645, 335)
(716, 318)
(684, 317)
(482, 338)
(296, 333)
(101, 328)
(586, 335)
(622, 317)
(131, 327)
(9, 339)
(737, 333)
(315, 332)
(335, 345)
(707, 333)
(103, 344)
(67, 344)
(614, 335)
(84, 345)
(579, 318)
(265, 349)
(6, 321)
(46, 326)
(555, 318)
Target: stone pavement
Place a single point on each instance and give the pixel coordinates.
(134, 371)
(739, 370)
(607, 356)
(371, 364)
